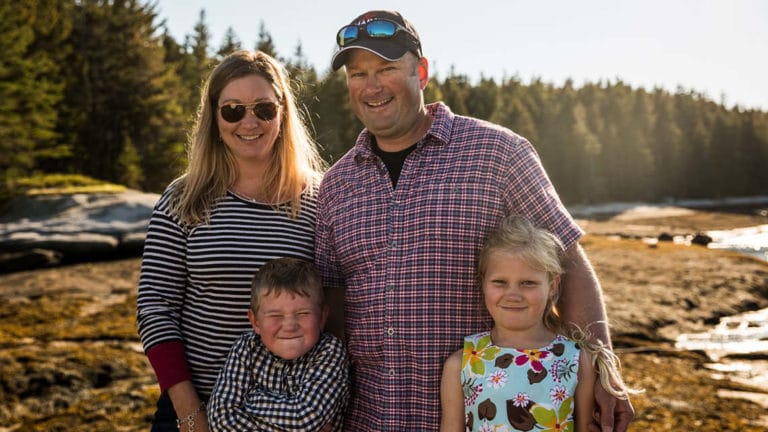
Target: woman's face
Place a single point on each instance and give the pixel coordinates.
(250, 139)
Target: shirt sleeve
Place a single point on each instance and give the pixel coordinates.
(326, 260)
(162, 286)
(318, 395)
(226, 410)
(531, 193)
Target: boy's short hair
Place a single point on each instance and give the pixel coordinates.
(287, 275)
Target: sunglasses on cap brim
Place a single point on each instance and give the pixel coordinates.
(376, 29)
(234, 112)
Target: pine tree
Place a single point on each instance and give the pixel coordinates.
(120, 94)
(265, 43)
(665, 142)
(304, 83)
(230, 44)
(455, 89)
(482, 100)
(31, 85)
(336, 125)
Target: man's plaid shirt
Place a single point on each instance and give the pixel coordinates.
(407, 256)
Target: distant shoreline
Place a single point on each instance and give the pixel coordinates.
(741, 205)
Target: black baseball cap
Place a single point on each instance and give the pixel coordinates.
(390, 48)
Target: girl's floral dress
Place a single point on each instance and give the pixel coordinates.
(506, 389)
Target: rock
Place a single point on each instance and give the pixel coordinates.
(33, 258)
(666, 237)
(74, 227)
(701, 239)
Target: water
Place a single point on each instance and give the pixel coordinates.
(751, 240)
(746, 333)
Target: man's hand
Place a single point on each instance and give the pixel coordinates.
(611, 414)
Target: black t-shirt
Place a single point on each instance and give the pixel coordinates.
(393, 160)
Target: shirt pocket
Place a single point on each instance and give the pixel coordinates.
(457, 217)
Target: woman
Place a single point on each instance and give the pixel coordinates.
(247, 197)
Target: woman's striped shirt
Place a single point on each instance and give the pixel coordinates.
(195, 282)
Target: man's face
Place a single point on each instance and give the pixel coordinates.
(387, 95)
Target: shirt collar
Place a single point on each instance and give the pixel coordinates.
(442, 124)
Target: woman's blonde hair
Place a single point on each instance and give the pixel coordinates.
(295, 166)
(543, 251)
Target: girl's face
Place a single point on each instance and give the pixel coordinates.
(516, 296)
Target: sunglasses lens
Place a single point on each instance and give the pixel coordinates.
(347, 35)
(380, 29)
(232, 113)
(265, 111)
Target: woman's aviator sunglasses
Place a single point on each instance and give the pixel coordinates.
(234, 112)
(379, 28)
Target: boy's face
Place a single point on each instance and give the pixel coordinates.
(289, 325)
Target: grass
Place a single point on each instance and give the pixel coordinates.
(46, 184)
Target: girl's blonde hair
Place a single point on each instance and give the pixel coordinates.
(542, 250)
(537, 247)
(295, 165)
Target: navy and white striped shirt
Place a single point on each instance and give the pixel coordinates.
(257, 390)
(195, 282)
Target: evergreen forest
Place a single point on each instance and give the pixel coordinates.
(100, 88)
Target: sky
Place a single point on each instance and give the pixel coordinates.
(718, 48)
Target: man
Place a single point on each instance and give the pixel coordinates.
(401, 218)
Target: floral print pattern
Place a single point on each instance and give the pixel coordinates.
(533, 357)
(497, 379)
(477, 351)
(506, 389)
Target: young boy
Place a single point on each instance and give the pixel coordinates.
(287, 374)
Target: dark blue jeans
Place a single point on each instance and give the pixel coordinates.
(165, 416)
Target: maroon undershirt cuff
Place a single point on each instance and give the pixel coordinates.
(170, 363)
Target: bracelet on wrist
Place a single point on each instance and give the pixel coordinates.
(190, 419)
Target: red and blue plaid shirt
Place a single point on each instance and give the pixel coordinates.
(407, 256)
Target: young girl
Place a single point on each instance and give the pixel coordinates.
(524, 374)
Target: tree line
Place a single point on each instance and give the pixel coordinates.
(100, 88)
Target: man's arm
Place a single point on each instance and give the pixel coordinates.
(328, 267)
(581, 302)
(581, 298)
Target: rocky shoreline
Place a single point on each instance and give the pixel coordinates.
(70, 357)
(48, 230)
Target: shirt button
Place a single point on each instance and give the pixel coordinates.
(390, 331)
(392, 244)
(391, 372)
